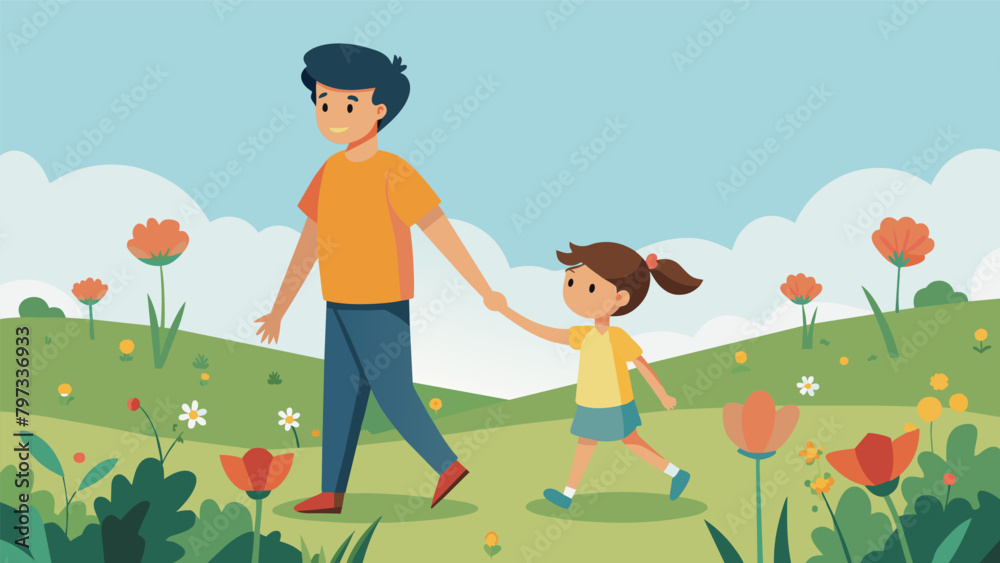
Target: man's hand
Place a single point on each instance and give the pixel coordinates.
(495, 301)
(270, 328)
(668, 402)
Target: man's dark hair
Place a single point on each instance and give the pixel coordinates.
(351, 67)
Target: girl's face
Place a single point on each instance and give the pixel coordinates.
(590, 295)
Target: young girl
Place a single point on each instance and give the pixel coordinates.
(607, 280)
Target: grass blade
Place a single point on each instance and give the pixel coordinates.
(781, 552)
(360, 548)
(890, 342)
(342, 549)
(726, 549)
(154, 331)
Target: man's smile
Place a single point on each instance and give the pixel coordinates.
(338, 129)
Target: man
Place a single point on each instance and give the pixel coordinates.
(359, 208)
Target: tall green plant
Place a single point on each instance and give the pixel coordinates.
(883, 325)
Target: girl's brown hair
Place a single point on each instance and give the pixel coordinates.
(628, 271)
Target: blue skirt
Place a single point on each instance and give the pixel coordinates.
(606, 424)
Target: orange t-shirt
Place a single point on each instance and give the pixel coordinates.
(363, 213)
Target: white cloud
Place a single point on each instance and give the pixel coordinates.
(76, 227)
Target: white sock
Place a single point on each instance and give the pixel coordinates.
(569, 492)
(671, 470)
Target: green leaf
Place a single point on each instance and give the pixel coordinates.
(726, 549)
(342, 549)
(781, 553)
(496, 549)
(154, 331)
(171, 333)
(100, 471)
(488, 551)
(42, 452)
(975, 471)
(360, 548)
(946, 551)
(861, 527)
(812, 324)
(883, 325)
(305, 550)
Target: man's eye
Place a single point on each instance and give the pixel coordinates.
(350, 108)
(570, 282)
(324, 107)
(592, 288)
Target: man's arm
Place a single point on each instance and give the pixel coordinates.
(439, 229)
(306, 252)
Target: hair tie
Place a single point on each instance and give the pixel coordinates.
(651, 261)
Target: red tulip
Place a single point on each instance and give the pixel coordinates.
(257, 470)
(877, 461)
(132, 404)
(756, 428)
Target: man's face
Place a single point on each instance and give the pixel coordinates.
(345, 116)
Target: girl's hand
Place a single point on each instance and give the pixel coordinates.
(668, 402)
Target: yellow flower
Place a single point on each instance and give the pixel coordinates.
(811, 453)
(205, 376)
(958, 402)
(843, 360)
(821, 485)
(929, 409)
(492, 538)
(939, 381)
(909, 427)
(435, 404)
(126, 346)
(741, 357)
(315, 433)
(65, 389)
(981, 334)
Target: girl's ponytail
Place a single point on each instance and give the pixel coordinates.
(671, 276)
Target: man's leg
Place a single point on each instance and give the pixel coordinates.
(345, 398)
(381, 339)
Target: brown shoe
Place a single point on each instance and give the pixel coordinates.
(323, 503)
(451, 477)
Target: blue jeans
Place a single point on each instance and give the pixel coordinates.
(368, 349)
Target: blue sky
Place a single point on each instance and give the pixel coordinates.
(503, 98)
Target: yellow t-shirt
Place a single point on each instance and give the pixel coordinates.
(363, 213)
(603, 379)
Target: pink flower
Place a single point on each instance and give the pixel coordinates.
(949, 479)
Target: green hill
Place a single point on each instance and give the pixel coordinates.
(243, 407)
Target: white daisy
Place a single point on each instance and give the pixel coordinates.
(288, 418)
(807, 386)
(193, 415)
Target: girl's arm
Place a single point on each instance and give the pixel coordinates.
(654, 382)
(552, 334)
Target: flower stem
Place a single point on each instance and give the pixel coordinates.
(805, 330)
(91, 307)
(296, 434)
(931, 432)
(899, 528)
(171, 447)
(163, 301)
(836, 526)
(157, 436)
(66, 496)
(947, 496)
(899, 271)
(760, 528)
(255, 558)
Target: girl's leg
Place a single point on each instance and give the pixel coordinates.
(644, 451)
(584, 449)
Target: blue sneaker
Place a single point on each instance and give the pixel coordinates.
(678, 483)
(558, 499)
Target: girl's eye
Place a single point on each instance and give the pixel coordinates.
(350, 108)
(570, 282)
(324, 107)
(592, 288)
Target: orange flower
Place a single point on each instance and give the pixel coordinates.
(90, 291)
(811, 453)
(821, 485)
(800, 289)
(904, 242)
(876, 461)
(756, 429)
(257, 470)
(158, 244)
(492, 538)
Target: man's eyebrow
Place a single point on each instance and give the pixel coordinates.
(321, 95)
(352, 98)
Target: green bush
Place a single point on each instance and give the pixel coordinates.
(973, 472)
(863, 529)
(37, 307)
(938, 293)
(214, 529)
(927, 530)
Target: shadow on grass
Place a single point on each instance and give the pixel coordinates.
(364, 508)
(620, 507)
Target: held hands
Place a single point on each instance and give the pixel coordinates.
(270, 328)
(668, 402)
(495, 301)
